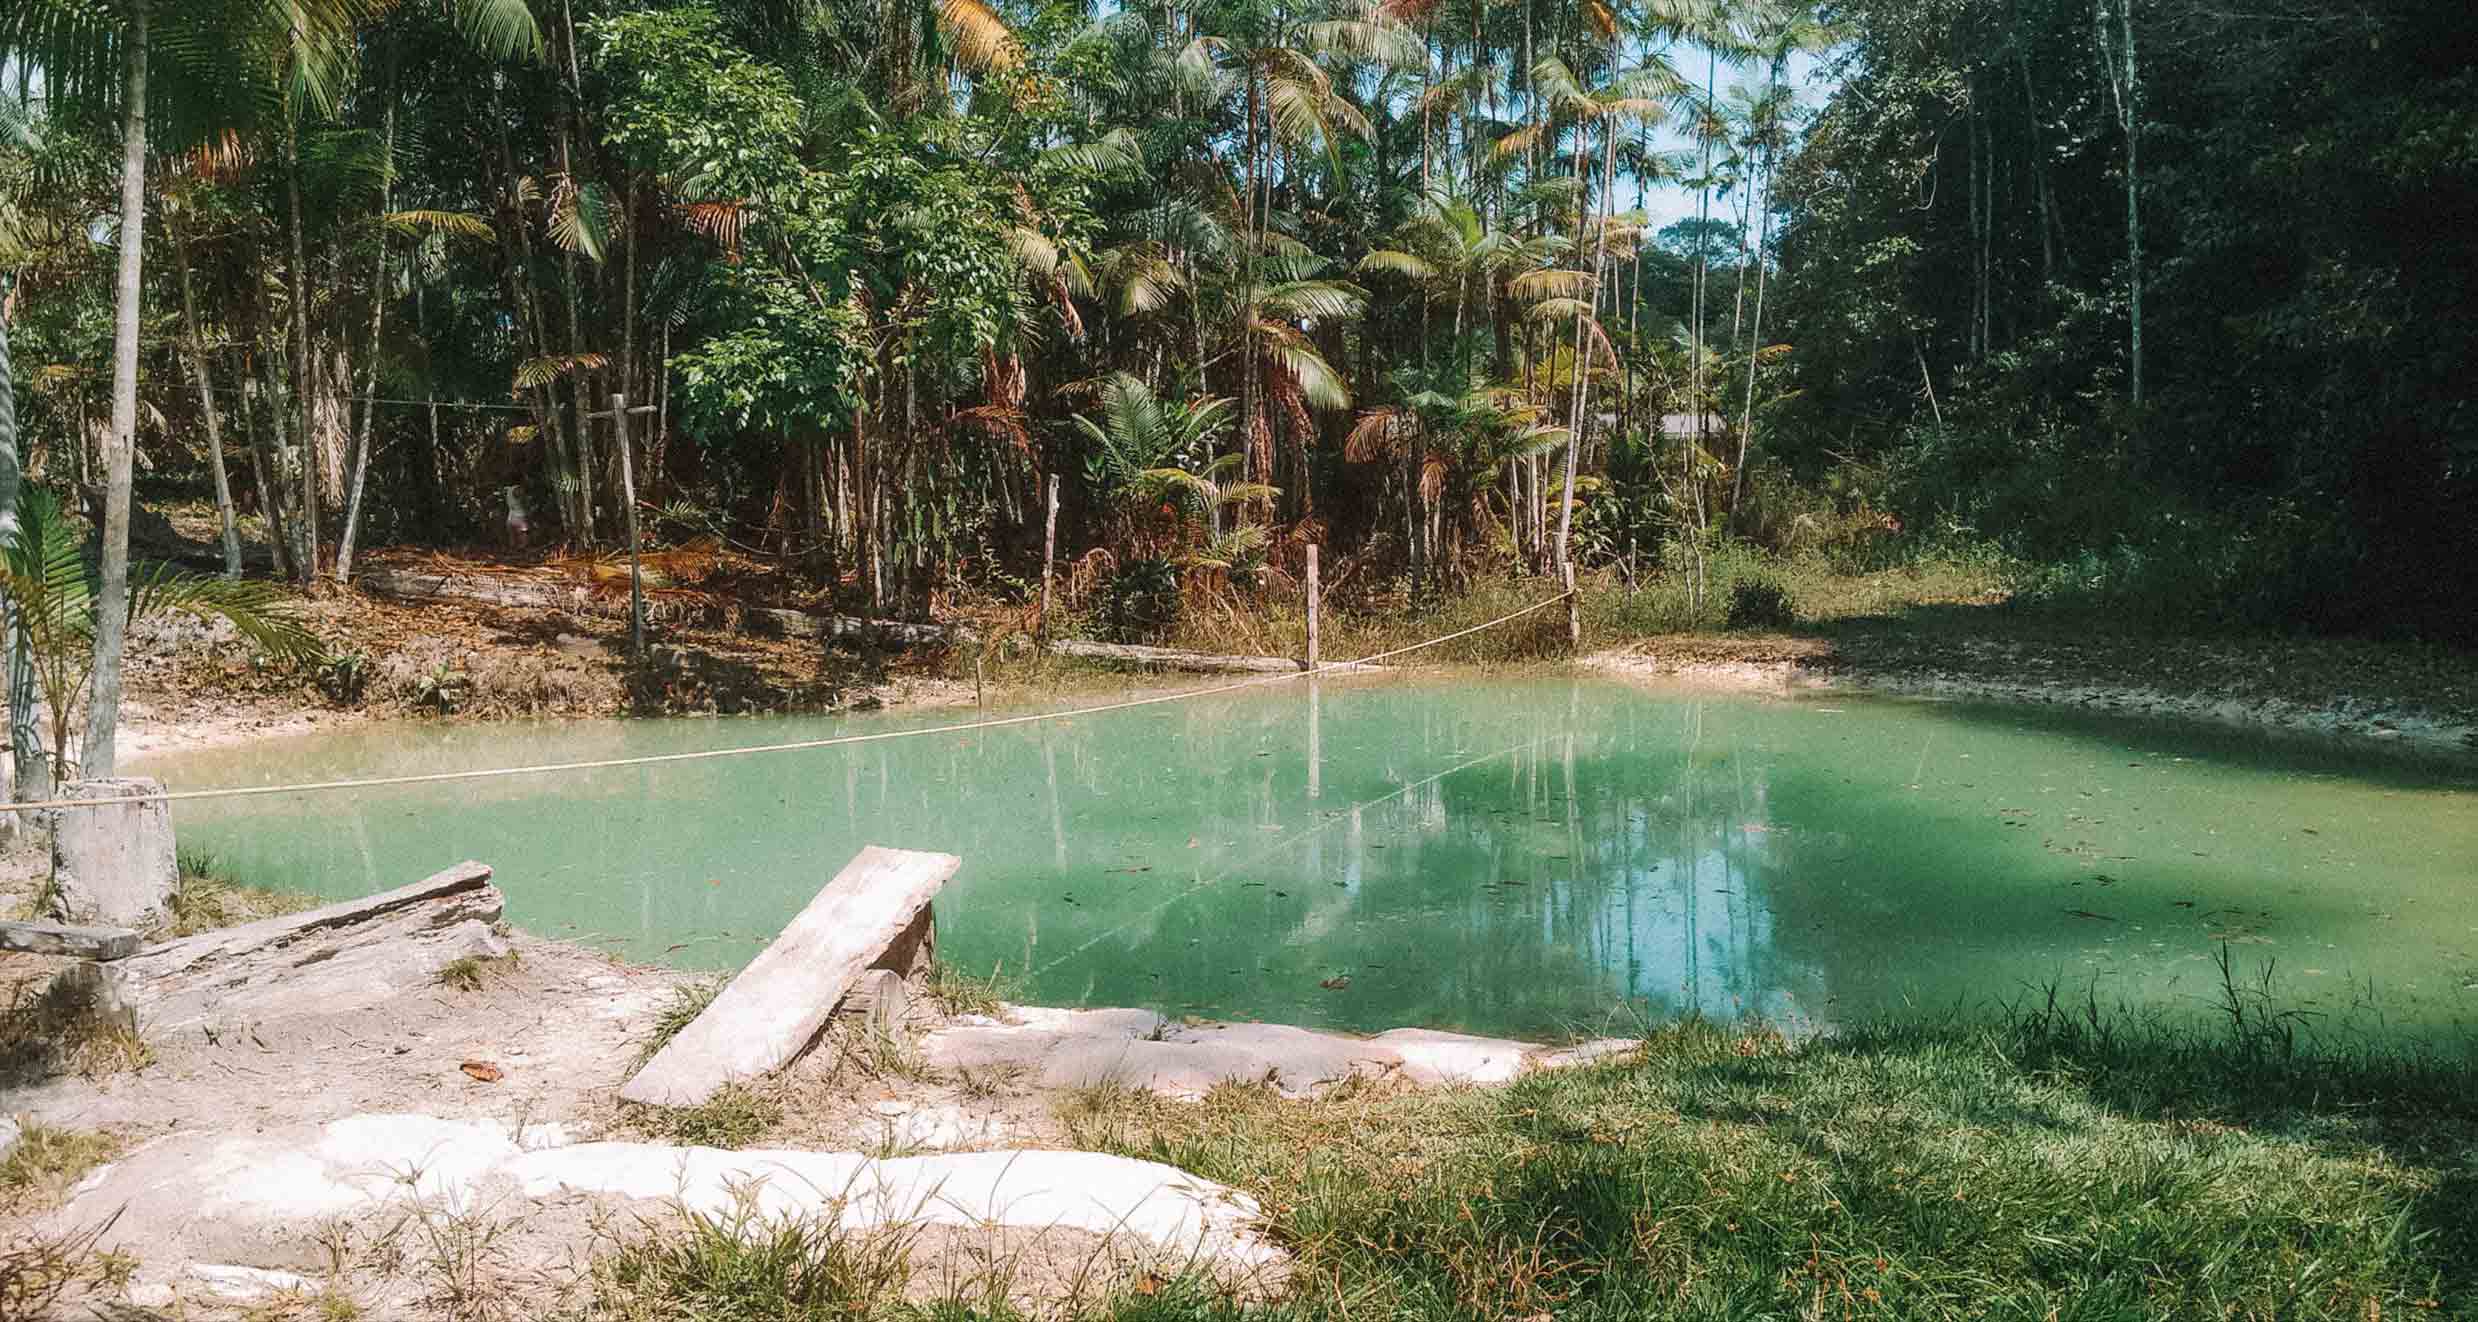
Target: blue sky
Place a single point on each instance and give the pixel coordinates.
(1669, 203)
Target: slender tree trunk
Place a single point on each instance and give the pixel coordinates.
(1583, 396)
(2133, 193)
(305, 564)
(2125, 88)
(33, 772)
(576, 372)
(112, 600)
(194, 349)
(1755, 346)
(265, 456)
(369, 371)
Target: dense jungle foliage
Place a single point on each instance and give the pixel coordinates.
(2167, 303)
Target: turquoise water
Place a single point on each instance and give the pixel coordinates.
(1531, 856)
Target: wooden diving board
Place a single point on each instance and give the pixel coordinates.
(878, 903)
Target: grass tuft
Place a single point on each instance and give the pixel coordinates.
(733, 1117)
(956, 992)
(207, 898)
(687, 1001)
(47, 1160)
(741, 1267)
(473, 972)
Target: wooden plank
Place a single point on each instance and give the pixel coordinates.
(775, 1008)
(236, 942)
(62, 939)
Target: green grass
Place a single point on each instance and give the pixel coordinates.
(47, 1159)
(2055, 1166)
(733, 1117)
(474, 972)
(687, 1001)
(955, 991)
(208, 898)
(738, 1267)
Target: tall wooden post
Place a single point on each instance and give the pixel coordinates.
(1049, 552)
(1574, 604)
(1312, 606)
(618, 414)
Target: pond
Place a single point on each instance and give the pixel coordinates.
(1530, 856)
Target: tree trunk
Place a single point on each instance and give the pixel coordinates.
(2125, 87)
(1755, 346)
(1583, 396)
(194, 349)
(305, 561)
(112, 600)
(33, 773)
(265, 454)
(576, 375)
(369, 371)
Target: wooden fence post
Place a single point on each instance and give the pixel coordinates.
(1049, 552)
(1312, 606)
(1574, 605)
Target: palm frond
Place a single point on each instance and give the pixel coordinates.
(982, 40)
(461, 224)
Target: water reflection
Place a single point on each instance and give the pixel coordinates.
(1524, 857)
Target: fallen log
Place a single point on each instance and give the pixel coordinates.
(1178, 658)
(334, 959)
(874, 914)
(1174, 658)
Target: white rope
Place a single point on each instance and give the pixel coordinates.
(654, 759)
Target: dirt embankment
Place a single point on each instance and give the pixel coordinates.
(2405, 695)
(193, 684)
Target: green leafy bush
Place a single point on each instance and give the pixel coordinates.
(1141, 602)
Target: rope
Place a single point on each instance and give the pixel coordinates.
(802, 745)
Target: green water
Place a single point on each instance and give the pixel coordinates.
(1525, 857)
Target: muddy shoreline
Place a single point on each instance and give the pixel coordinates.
(1978, 673)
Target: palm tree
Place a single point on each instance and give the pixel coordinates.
(1288, 97)
(1787, 28)
(1632, 96)
(1451, 442)
(43, 569)
(98, 55)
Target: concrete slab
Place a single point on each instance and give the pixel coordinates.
(774, 1009)
(265, 1200)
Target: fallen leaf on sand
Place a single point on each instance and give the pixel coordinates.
(483, 1071)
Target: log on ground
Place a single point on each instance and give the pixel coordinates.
(335, 959)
